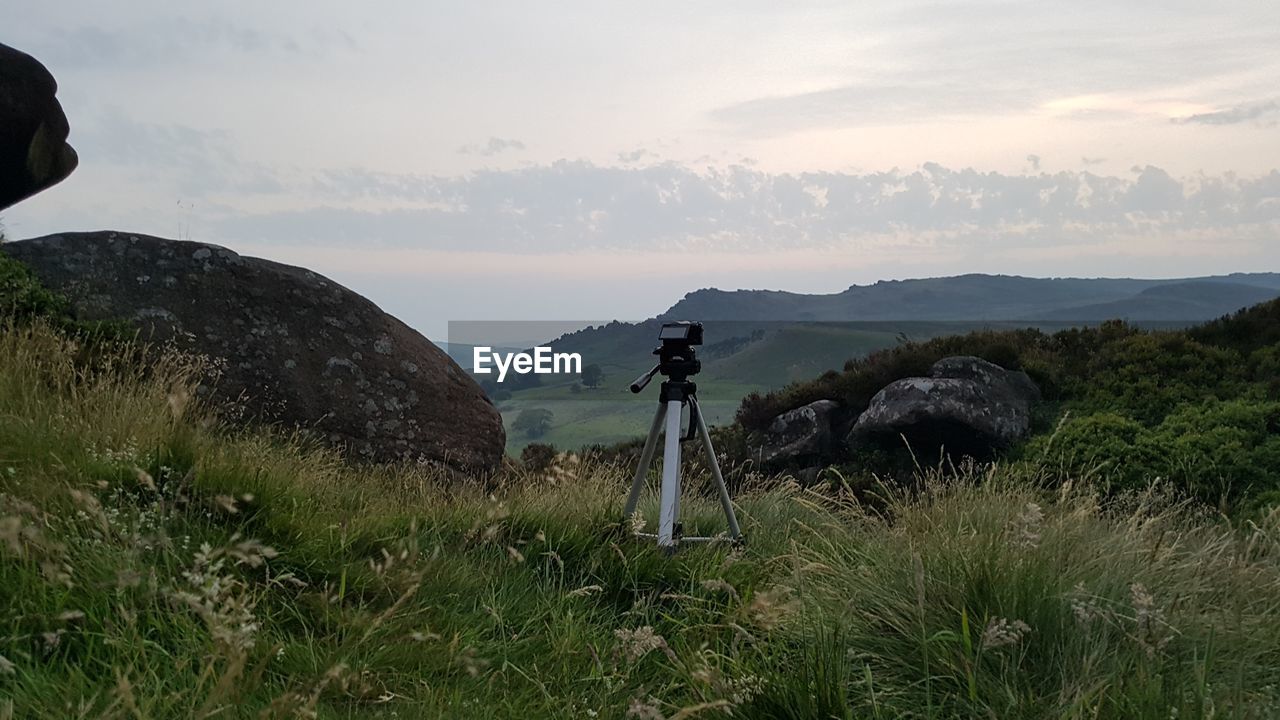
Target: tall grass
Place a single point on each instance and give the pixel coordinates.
(154, 563)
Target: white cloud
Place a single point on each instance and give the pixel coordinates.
(566, 207)
(494, 146)
(1263, 113)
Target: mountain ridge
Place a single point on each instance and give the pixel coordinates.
(978, 296)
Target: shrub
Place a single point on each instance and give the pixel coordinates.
(22, 297)
(1147, 375)
(1245, 331)
(1104, 446)
(1215, 451)
(23, 300)
(533, 422)
(537, 457)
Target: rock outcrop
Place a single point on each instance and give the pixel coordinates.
(801, 434)
(34, 153)
(966, 406)
(295, 348)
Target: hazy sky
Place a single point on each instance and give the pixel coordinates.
(599, 159)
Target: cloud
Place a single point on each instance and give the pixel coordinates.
(193, 161)
(572, 206)
(637, 155)
(162, 41)
(928, 61)
(494, 146)
(1087, 161)
(1258, 112)
(861, 104)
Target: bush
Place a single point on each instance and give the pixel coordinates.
(538, 457)
(1146, 376)
(1245, 331)
(1219, 452)
(533, 422)
(22, 297)
(1105, 447)
(24, 300)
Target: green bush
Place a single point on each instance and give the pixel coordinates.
(23, 297)
(1105, 447)
(1146, 376)
(1216, 451)
(1245, 331)
(538, 457)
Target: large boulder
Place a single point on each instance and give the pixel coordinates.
(801, 434)
(34, 153)
(295, 348)
(966, 406)
(987, 374)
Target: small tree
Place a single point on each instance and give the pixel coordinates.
(592, 376)
(534, 422)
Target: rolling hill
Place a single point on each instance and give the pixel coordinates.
(1197, 300)
(986, 297)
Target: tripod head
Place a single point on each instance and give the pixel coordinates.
(676, 357)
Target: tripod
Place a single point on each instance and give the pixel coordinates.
(677, 361)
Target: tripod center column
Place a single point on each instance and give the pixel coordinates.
(670, 499)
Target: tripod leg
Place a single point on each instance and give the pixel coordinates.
(669, 507)
(734, 531)
(646, 459)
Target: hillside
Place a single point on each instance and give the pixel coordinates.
(982, 297)
(155, 562)
(1174, 302)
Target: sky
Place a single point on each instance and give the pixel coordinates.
(520, 161)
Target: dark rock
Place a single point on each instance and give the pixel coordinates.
(296, 348)
(968, 367)
(968, 407)
(803, 433)
(34, 153)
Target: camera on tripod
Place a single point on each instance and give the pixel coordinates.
(677, 361)
(676, 357)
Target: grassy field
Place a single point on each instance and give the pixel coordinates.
(609, 414)
(154, 564)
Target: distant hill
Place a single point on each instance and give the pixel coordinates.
(991, 297)
(1196, 300)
